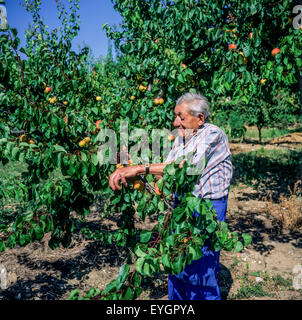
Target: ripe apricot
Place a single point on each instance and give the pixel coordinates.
(232, 46)
(142, 88)
(98, 124)
(22, 138)
(157, 190)
(138, 185)
(275, 51)
(171, 137)
(82, 143)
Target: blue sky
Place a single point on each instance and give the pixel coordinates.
(93, 14)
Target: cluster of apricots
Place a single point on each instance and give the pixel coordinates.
(23, 138)
(232, 46)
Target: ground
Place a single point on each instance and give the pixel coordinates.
(263, 207)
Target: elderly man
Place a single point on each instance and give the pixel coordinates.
(199, 280)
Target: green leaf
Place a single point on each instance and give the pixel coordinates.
(95, 110)
(194, 203)
(247, 239)
(170, 240)
(177, 265)
(171, 170)
(38, 232)
(2, 246)
(74, 294)
(211, 227)
(246, 51)
(139, 252)
(139, 264)
(160, 184)
(193, 252)
(229, 76)
(83, 156)
(128, 294)
(94, 159)
(75, 84)
(110, 287)
(217, 246)
(14, 152)
(145, 236)
(165, 260)
(238, 247)
(149, 178)
(179, 214)
(137, 279)
(71, 170)
(147, 269)
(23, 239)
(122, 275)
(161, 206)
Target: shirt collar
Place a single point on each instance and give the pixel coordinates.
(181, 142)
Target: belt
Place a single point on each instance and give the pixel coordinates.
(224, 198)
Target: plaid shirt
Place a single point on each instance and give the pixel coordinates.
(209, 142)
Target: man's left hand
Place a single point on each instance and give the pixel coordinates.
(121, 174)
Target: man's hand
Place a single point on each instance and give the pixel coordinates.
(121, 174)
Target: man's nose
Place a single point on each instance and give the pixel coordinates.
(176, 122)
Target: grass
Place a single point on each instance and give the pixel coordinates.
(249, 288)
(281, 282)
(288, 211)
(268, 133)
(267, 287)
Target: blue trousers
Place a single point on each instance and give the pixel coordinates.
(198, 281)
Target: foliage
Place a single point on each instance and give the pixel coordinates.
(190, 51)
(177, 238)
(50, 103)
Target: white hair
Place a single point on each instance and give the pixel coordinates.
(196, 103)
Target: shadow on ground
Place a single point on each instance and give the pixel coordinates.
(270, 174)
(260, 228)
(48, 276)
(225, 281)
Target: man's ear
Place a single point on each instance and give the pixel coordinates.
(201, 119)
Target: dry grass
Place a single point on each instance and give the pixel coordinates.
(288, 212)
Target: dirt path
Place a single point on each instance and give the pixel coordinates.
(264, 270)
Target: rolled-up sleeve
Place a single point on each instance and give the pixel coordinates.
(172, 154)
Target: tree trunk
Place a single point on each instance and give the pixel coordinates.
(259, 134)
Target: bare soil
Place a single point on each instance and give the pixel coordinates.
(264, 270)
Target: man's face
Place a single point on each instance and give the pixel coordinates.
(184, 120)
